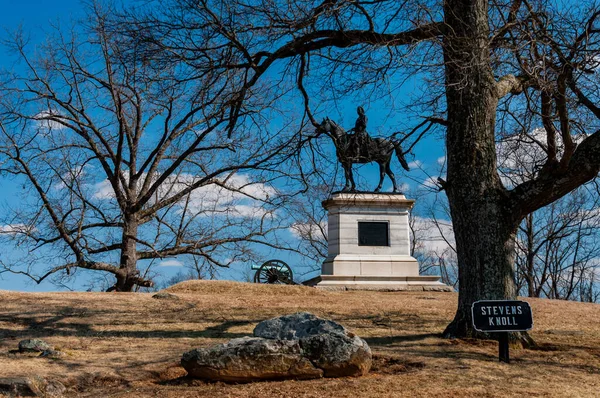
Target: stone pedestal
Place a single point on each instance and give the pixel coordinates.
(369, 245)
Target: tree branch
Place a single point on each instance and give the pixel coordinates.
(549, 186)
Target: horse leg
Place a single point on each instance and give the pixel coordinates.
(349, 177)
(381, 176)
(346, 174)
(390, 174)
(352, 184)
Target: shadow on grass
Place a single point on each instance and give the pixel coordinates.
(390, 365)
(392, 340)
(183, 381)
(390, 319)
(589, 369)
(30, 327)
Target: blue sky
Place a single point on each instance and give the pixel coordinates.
(35, 16)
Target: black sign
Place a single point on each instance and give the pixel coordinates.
(373, 234)
(501, 316)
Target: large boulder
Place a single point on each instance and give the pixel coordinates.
(327, 344)
(250, 359)
(297, 346)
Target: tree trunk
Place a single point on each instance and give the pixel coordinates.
(127, 278)
(486, 249)
(530, 276)
(484, 224)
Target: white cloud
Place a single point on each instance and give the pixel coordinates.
(431, 182)
(441, 160)
(594, 62)
(43, 121)
(170, 263)
(521, 156)
(103, 190)
(415, 164)
(434, 236)
(404, 187)
(236, 196)
(309, 230)
(12, 229)
(75, 173)
(595, 264)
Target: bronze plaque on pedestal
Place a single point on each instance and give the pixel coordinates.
(373, 233)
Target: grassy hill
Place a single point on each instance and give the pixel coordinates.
(129, 345)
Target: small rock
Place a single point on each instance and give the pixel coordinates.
(165, 296)
(33, 345)
(19, 387)
(54, 389)
(52, 353)
(34, 386)
(250, 359)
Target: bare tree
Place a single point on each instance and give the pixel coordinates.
(558, 249)
(125, 161)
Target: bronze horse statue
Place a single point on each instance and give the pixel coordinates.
(350, 151)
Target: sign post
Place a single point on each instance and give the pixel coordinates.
(502, 316)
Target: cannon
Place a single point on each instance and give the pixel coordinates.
(274, 272)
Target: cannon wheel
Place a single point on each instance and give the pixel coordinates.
(274, 271)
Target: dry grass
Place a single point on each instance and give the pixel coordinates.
(129, 345)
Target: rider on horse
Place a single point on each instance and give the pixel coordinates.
(360, 148)
(361, 137)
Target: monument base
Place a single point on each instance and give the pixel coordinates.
(422, 283)
(369, 245)
(370, 264)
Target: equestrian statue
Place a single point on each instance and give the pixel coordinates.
(359, 147)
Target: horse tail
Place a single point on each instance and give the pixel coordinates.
(401, 139)
(400, 156)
